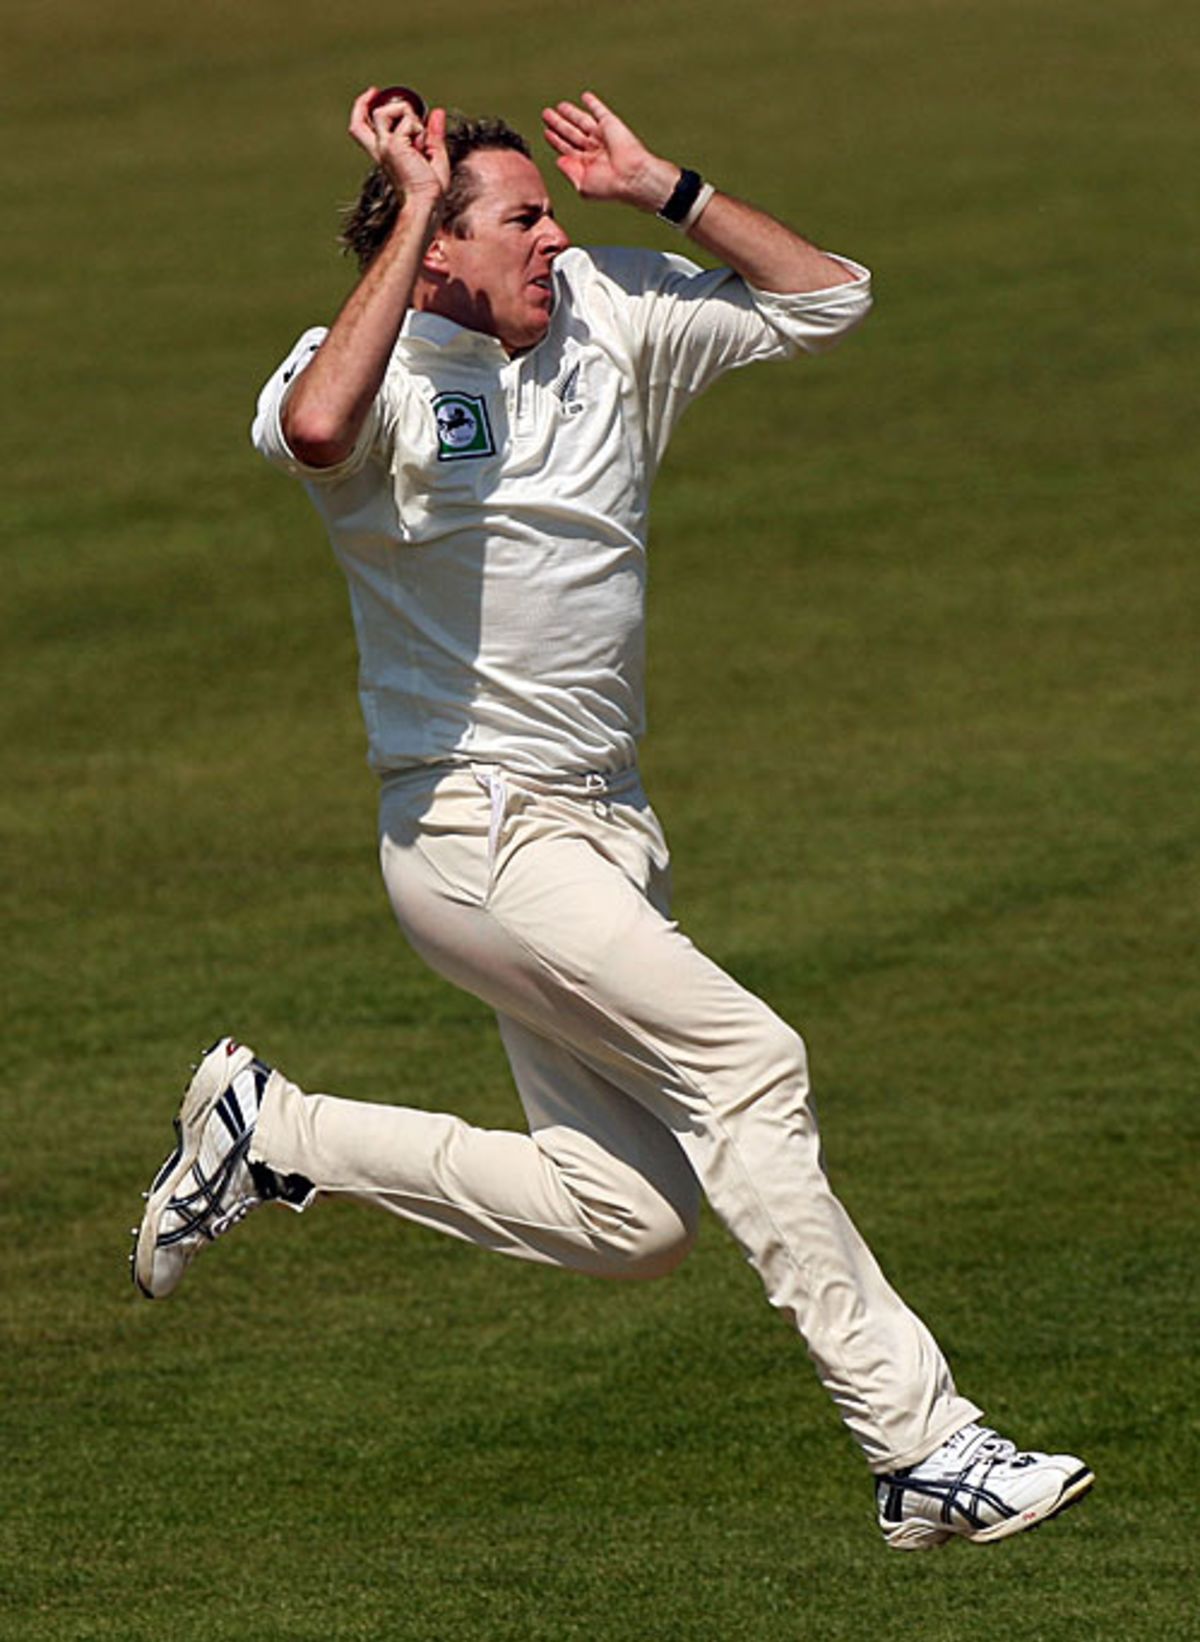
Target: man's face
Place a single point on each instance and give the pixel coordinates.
(496, 278)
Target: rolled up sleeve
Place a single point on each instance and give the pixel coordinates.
(267, 429)
(813, 321)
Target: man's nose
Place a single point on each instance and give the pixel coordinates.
(555, 239)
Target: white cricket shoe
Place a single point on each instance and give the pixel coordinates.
(976, 1486)
(208, 1185)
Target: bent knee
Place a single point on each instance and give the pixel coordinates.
(785, 1052)
(769, 1075)
(654, 1254)
(651, 1242)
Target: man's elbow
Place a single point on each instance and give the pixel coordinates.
(837, 272)
(315, 439)
(320, 453)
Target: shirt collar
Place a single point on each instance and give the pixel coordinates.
(422, 326)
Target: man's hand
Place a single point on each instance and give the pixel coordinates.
(603, 159)
(409, 148)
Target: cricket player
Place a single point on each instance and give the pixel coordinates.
(479, 430)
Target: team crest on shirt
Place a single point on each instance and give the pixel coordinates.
(463, 428)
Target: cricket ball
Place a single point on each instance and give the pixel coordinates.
(399, 94)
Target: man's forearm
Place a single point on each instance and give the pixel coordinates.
(331, 400)
(766, 253)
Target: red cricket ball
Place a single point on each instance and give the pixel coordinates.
(398, 94)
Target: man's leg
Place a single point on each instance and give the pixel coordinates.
(597, 1186)
(550, 918)
(559, 919)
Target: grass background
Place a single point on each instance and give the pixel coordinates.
(923, 734)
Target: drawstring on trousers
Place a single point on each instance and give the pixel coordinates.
(493, 783)
(501, 785)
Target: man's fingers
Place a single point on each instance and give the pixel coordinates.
(434, 136)
(432, 144)
(396, 118)
(378, 116)
(396, 111)
(614, 125)
(563, 135)
(571, 122)
(360, 123)
(560, 145)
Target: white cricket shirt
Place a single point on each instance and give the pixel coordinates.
(492, 519)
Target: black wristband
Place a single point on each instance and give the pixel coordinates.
(687, 191)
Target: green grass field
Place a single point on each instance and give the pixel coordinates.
(923, 734)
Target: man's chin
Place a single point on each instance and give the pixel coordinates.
(532, 332)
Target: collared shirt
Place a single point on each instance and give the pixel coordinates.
(492, 518)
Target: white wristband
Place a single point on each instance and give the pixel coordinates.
(702, 198)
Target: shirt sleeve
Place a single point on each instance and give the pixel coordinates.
(267, 430)
(814, 321)
(686, 326)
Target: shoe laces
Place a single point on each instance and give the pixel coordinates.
(970, 1480)
(219, 1225)
(993, 1450)
(972, 1447)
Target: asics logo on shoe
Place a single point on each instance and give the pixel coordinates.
(979, 1487)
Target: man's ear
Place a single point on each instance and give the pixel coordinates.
(434, 259)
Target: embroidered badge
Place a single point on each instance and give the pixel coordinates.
(463, 427)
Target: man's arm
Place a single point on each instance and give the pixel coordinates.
(331, 399)
(604, 160)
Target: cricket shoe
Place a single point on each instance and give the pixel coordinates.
(208, 1183)
(976, 1486)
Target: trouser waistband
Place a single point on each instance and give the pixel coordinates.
(594, 784)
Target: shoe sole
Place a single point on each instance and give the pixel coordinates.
(1071, 1493)
(213, 1076)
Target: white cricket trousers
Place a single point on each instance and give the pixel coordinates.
(643, 1069)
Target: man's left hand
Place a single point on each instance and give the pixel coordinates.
(603, 159)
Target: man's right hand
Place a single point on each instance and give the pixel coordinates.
(330, 401)
(409, 149)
